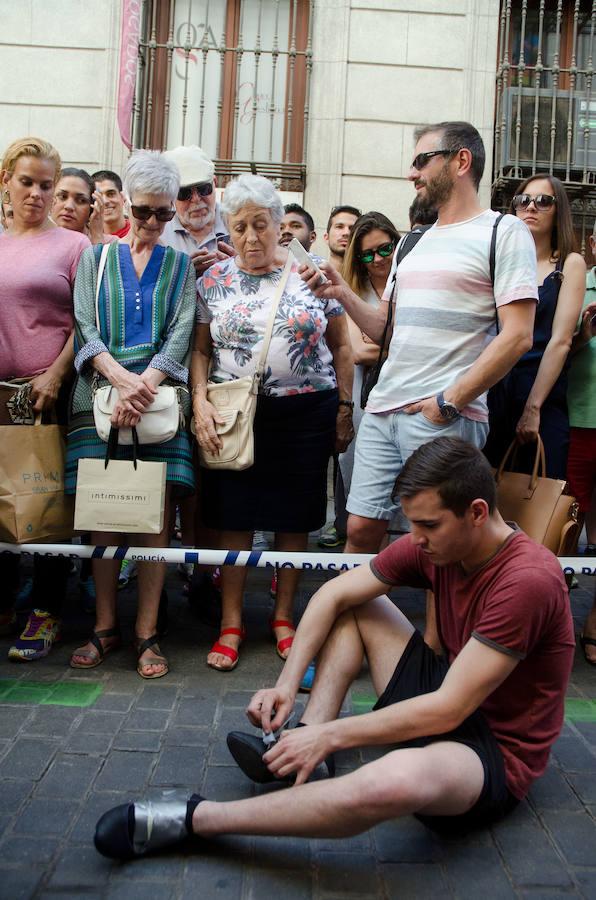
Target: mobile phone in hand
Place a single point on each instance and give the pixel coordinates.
(305, 260)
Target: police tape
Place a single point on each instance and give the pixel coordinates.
(259, 559)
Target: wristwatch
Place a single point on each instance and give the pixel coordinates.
(349, 403)
(448, 410)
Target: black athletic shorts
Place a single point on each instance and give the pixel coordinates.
(420, 671)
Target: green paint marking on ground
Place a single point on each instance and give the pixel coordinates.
(45, 694)
(363, 703)
(578, 710)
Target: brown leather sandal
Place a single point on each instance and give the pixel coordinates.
(96, 657)
(158, 659)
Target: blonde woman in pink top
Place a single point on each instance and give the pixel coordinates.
(38, 263)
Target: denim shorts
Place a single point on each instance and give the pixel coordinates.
(384, 443)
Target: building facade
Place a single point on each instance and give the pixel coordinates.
(320, 95)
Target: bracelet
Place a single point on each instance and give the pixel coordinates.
(196, 388)
(349, 403)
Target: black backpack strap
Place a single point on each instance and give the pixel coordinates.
(492, 254)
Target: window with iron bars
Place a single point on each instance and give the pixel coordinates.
(545, 118)
(232, 76)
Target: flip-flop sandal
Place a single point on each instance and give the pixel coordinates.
(96, 659)
(157, 660)
(284, 643)
(587, 642)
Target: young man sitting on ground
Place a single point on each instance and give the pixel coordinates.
(469, 730)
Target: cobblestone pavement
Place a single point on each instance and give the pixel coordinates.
(73, 744)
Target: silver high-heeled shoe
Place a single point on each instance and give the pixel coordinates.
(135, 829)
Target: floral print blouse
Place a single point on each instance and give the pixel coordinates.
(236, 305)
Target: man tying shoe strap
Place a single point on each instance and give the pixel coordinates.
(468, 732)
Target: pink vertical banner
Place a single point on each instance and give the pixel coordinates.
(129, 50)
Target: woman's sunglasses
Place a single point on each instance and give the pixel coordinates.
(540, 201)
(383, 250)
(144, 213)
(203, 189)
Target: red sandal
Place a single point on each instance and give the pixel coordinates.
(227, 651)
(284, 643)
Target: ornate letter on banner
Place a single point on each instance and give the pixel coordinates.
(129, 48)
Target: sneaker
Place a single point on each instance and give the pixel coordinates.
(331, 538)
(259, 541)
(87, 594)
(128, 571)
(22, 601)
(273, 587)
(36, 640)
(307, 682)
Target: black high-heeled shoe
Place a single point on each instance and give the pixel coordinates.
(135, 829)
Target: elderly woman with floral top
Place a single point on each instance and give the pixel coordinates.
(304, 406)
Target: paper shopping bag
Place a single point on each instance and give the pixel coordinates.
(33, 505)
(122, 496)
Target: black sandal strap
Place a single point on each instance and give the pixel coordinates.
(587, 641)
(147, 644)
(106, 633)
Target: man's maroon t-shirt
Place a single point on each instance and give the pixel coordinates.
(517, 603)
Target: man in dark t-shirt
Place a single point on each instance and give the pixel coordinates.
(468, 731)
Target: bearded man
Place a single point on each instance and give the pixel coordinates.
(444, 355)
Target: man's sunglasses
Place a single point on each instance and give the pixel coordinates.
(423, 159)
(203, 189)
(144, 213)
(540, 201)
(383, 250)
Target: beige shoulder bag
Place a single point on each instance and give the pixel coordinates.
(236, 403)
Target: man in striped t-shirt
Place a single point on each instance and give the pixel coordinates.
(443, 355)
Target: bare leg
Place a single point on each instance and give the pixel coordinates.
(233, 579)
(378, 630)
(287, 582)
(151, 577)
(441, 779)
(105, 574)
(364, 535)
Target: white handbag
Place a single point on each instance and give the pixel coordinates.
(159, 423)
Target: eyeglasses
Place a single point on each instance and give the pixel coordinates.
(203, 189)
(422, 160)
(540, 201)
(144, 213)
(384, 250)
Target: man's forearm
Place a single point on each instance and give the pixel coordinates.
(421, 716)
(494, 363)
(369, 319)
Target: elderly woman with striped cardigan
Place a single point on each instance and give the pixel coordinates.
(136, 339)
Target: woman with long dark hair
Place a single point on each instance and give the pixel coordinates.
(532, 398)
(366, 267)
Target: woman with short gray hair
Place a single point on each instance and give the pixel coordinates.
(151, 172)
(252, 190)
(138, 339)
(303, 406)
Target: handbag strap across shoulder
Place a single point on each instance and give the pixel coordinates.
(100, 269)
(281, 284)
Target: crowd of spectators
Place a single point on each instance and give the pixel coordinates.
(184, 300)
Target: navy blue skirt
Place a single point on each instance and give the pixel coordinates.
(286, 488)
